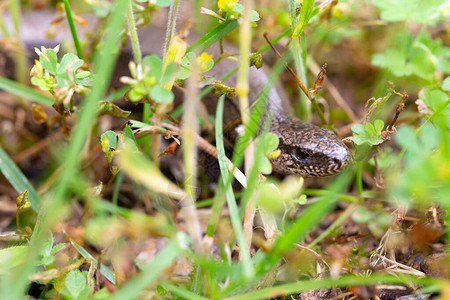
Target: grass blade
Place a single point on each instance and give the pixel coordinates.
(24, 91)
(234, 212)
(18, 180)
(305, 14)
(213, 36)
(344, 281)
(73, 29)
(182, 293)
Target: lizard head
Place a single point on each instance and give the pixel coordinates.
(308, 150)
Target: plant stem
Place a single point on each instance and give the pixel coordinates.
(133, 33)
(242, 89)
(359, 183)
(171, 26)
(20, 58)
(299, 62)
(73, 30)
(188, 134)
(156, 139)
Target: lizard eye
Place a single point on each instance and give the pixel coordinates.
(300, 155)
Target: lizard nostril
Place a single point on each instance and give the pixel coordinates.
(300, 154)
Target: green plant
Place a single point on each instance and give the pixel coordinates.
(62, 78)
(369, 133)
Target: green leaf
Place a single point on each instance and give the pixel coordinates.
(267, 192)
(46, 252)
(152, 66)
(370, 130)
(379, 125)
(421, 56)
(58, 247)
(407, 139)
(359, 140)
(368, 133)
(84, 78)
(430, 138)
(106, 107)
(102, 294)
(69, 61)
(358, 128)
(305, 15)
(111, 137)
(213, 36)
(170, 73)
(265, 166)
(271, 142)
(239, 8)
(436, 100)
(423, 12)
(18, 180)
(74, 285)
(446, 84)
(129, 133)
(161, 95)
(24, 91)
(374, 140)
(433, 98)
(12, 257)
(49, 61)
(392, 59)
(300, 200)
(135, 95)
(41, 83)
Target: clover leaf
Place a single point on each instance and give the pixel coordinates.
(369, 133)
(149, 79)
(270, 144)
(50, 75)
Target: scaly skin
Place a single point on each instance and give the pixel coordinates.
(307, 150)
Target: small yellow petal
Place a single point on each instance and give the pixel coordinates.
(203, 60)
(274, 154)
(226, 5)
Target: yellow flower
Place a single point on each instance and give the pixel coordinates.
(274, 154)
(226, 5)
(203, 62)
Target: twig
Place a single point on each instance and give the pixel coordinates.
(403, 268)
(334, 92)
(310, 93)
(211, 150)
(400, 107)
